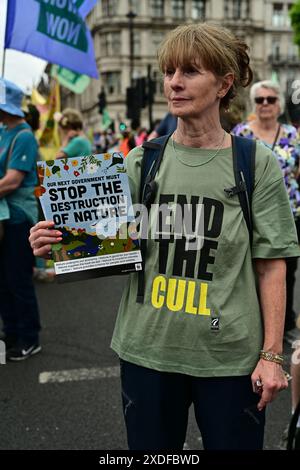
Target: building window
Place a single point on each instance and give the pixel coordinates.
(159, 82)
(104, 45)
(226, 9)
(110, 7)
(115, 43)
(288, 18)
(157, 38)
(136, 43)
(110, 44)
(198, 9)
(111, 82)
(293, 51)
(276, 48)
(278, 18)
(157, 7)
(237, 9)
(178, 8)
(247, 9)
(134, 5)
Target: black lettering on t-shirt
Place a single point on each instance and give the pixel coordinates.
(182, 255)
(213, 217)
(185, 221)
(205, 259)
(163, 254)
(185, 256)
(163, 229)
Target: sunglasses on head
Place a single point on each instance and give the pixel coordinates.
(269, 99)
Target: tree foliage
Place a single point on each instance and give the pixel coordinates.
(295, 20)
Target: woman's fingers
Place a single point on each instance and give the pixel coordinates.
(42, 252)
(45, 239)
(42, 237)
(44, 224)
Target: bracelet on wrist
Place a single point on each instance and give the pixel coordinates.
(271, 357)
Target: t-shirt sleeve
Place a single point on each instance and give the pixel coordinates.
(133, 163)
(24, 154)
(274, 230)
(75, 148)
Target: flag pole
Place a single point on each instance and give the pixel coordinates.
(3, 63)
(4, 50)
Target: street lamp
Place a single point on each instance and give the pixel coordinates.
(131, 15)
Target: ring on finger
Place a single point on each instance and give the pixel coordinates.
(287, 376)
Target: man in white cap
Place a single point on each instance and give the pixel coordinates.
(18, 154)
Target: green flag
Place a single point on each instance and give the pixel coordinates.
(106, 120)
(274, 77)
(69, 79)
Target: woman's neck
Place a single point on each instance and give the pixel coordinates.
(192, 133)
(14, 121)
(266, 125)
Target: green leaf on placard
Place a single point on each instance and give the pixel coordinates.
(55, 169)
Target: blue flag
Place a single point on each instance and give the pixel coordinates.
(53, 30)
(85, 6)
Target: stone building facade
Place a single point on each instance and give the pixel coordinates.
(264, 24)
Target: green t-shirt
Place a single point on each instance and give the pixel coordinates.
(78, 147)
(21, 202)
(201, 314)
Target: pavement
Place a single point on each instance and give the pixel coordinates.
(68, 397)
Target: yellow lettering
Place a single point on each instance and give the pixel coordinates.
(159, 285)
(175, 300)
(171, 294)
(190, 308)
(203, 310)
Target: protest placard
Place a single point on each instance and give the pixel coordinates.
(89, 200)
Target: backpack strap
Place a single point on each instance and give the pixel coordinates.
(11, 147)
(243, 155)
(153, 155)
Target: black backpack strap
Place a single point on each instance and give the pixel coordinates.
(243, 153)
(153, 155)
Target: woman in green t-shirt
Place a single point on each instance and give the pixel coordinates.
(74, 142)
(197, 338)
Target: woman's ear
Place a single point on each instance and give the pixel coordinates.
(226, 84)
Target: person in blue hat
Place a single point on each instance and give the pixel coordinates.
(18, 153)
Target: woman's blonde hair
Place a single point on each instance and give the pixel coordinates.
(213, 47)
(71, 119)
(270, 85)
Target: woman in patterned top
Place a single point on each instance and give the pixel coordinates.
(268, 104)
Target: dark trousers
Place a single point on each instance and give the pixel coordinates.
(156, 406)
(18, 304)
(291, 268)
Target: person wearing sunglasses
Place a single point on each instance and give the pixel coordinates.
(283, 139)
